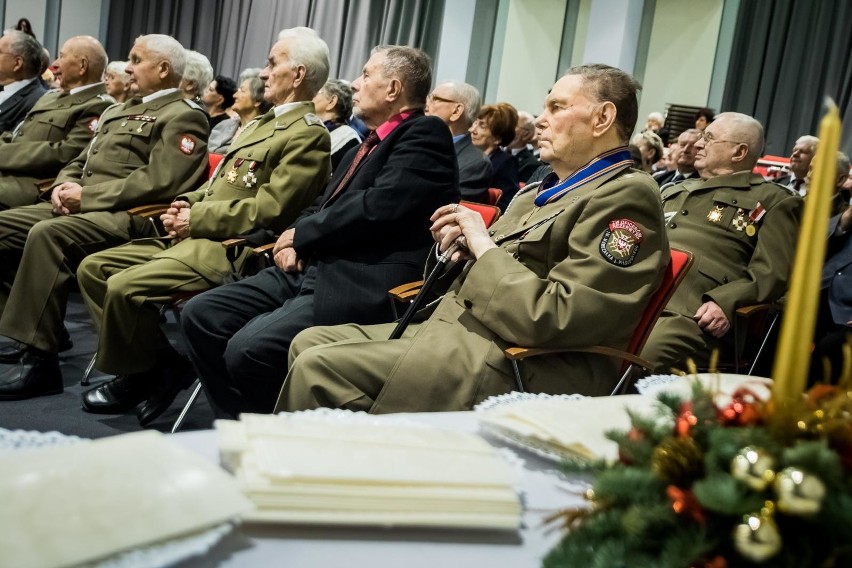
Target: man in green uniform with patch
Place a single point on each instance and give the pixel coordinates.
(147, 150)
(59, 126)
(742, 231)
(571, 264)
(270, 173)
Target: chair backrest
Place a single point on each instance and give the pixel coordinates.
(212, 162)
(494, 195)
(677, 268)
(490, 213)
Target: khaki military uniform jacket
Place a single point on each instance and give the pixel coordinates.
(269, 174)
(54, 132)
(742, 231)
(142, 153)
(566, 275)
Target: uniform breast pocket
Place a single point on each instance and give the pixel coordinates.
(735, 213)
(248, 169)
(50, 128)
(129, 144)
(535, 249)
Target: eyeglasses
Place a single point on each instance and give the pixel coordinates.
(710, 139)
(436, 99)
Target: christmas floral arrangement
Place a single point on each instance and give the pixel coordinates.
(747, 483)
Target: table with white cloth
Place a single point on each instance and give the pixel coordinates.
(544, 491)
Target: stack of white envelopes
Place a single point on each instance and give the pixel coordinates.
(344, 468)
(67, 505)
(561, 428)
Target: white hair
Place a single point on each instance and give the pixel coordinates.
(168, 48)
(117, 68)
(198, 69)
(467, 95)
(307, 48)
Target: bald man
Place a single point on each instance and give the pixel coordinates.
(742, 231)
(58, 127)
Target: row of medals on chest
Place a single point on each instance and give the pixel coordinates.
(742, 221)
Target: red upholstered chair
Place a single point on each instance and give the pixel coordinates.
(680, 262)
(494, 195)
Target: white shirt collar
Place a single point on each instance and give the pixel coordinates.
(158, 94)
(76, 90)
(14, 87)
(282, 108)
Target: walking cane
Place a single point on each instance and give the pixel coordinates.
(444, 263)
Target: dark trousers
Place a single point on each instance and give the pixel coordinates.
(238, 336)
(829, 339)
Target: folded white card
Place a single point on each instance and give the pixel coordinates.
(66, 505)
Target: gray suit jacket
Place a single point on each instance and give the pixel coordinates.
(837, 274)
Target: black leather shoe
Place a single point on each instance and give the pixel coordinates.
(177, 376)
(35, 375)
(12, 353)
(117, 396)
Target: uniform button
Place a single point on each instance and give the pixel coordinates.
(467, 303)
(94, 151)
(50, 119)
(515, 255)
(725, 279)
(491, 233)
(124, 123)
(500, 237)
(672, 226)
(88, 173)
(684, 212)
(734, 201)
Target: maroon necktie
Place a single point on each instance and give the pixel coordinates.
(363, 150)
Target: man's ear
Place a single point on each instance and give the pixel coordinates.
(164, 69)
(301, 72)
(394, 90)
(603, 118)
(741, 151)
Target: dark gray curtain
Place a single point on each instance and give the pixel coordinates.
(236, 34)
(787, 57)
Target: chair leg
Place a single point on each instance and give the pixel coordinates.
(187, 406)
(762, 344)
(518, 382)
(85, 380)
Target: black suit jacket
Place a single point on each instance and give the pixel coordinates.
(505, 176)
(662, 178)
(474, 171)
(374, 234)
(527, 162)
(15, 108)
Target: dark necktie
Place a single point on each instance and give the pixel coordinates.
(676, 178)
(363, 150)
(797, 185)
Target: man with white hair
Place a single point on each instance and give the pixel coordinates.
(457, 104)
(800, 161)
(197, 74)
(275, 169)
(117, 81)
(742, 231)
(58, 127)
(521, 146)
(147, 150)
(20, 68)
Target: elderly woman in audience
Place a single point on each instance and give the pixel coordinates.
(493, 128)
(248, 105)
(197, 74)
(117, 81)
(650, 147)
(333, 105)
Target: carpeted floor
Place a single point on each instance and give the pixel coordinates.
(63, 412)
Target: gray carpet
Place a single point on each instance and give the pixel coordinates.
(63, 412)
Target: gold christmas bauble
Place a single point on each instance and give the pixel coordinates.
(757, 538)
(753, 466)
(799, 492)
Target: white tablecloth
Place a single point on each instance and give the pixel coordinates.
(256, 546)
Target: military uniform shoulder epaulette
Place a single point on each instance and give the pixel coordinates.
(784, 188)
(313, 119)
(106, 98)
(193, 104)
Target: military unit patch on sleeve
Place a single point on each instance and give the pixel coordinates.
(620, 242)
(187, 145)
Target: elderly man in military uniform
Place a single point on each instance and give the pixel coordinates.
(147, 150)
(572, 264)
(58, 127)
(742, 231)
(275, 169)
